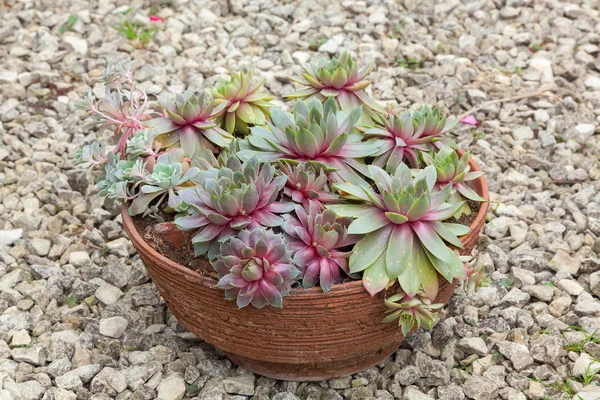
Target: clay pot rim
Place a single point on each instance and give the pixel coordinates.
(194, 276)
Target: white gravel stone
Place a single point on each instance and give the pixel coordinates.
(592, 82)
(20, 338)
(41, 247)
(585, 365)
(77, 44)
(590, 392)
(113, 327)
(35, 354)
(302, 26)
(595, 283)
(69, 381)
(544, 68)
(119, 247)
(585, 130)
(171, 388)
(329, 46)
(473, 345)
(571, 287)
(108, 294)
(29, 390)
(377, 18)
(562, 261)
(523, 133)
(10, 236)
(10, 280)
(301, 57)
(62, 394)
(7, 76)
(79, 259)
(517, 353)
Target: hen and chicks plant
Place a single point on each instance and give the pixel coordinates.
(229, 199)
(340, 79)
(241, 103)
(255, 268)
(337, 188)
(317, 240)
(404, 231)
(316, 132)
(187, 119)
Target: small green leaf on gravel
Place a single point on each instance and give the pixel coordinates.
(72, 301)
(192, 389)
(506, 283)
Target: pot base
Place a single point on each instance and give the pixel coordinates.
(313, 372)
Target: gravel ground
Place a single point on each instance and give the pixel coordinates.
(79, 317)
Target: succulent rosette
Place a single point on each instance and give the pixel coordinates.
(241, 102)
(119, 178)
(313, 132)
(229, 199)
(317, 239)
(306, 183)
(411, 311)
(435, 126)
(167, 179)
(143, 145)
(404, 233)
(403, 141)
(476, 274)
(255, 268)
(123, 108)
(187, 119)
(455, 172)
(90, 156)
(341, 79)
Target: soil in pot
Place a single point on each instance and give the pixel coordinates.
(172, 243)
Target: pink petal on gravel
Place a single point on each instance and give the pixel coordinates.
(469, 120)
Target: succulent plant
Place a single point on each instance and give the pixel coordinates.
(404, 232)
(317, 238)
(476, 274)
(341, 79)
(295, 198)
(119, 178)
(435, 125)
(166, 180)
(123, 109)
(411, 311)
(456, 172)
(186, 119)
(143, 144)
(306, 183)
(404, 141)
(241, 102)
(90, 155)
(313, 132)
(255, 268)
(231, 198)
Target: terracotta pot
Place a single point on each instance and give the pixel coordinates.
(315, 336)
